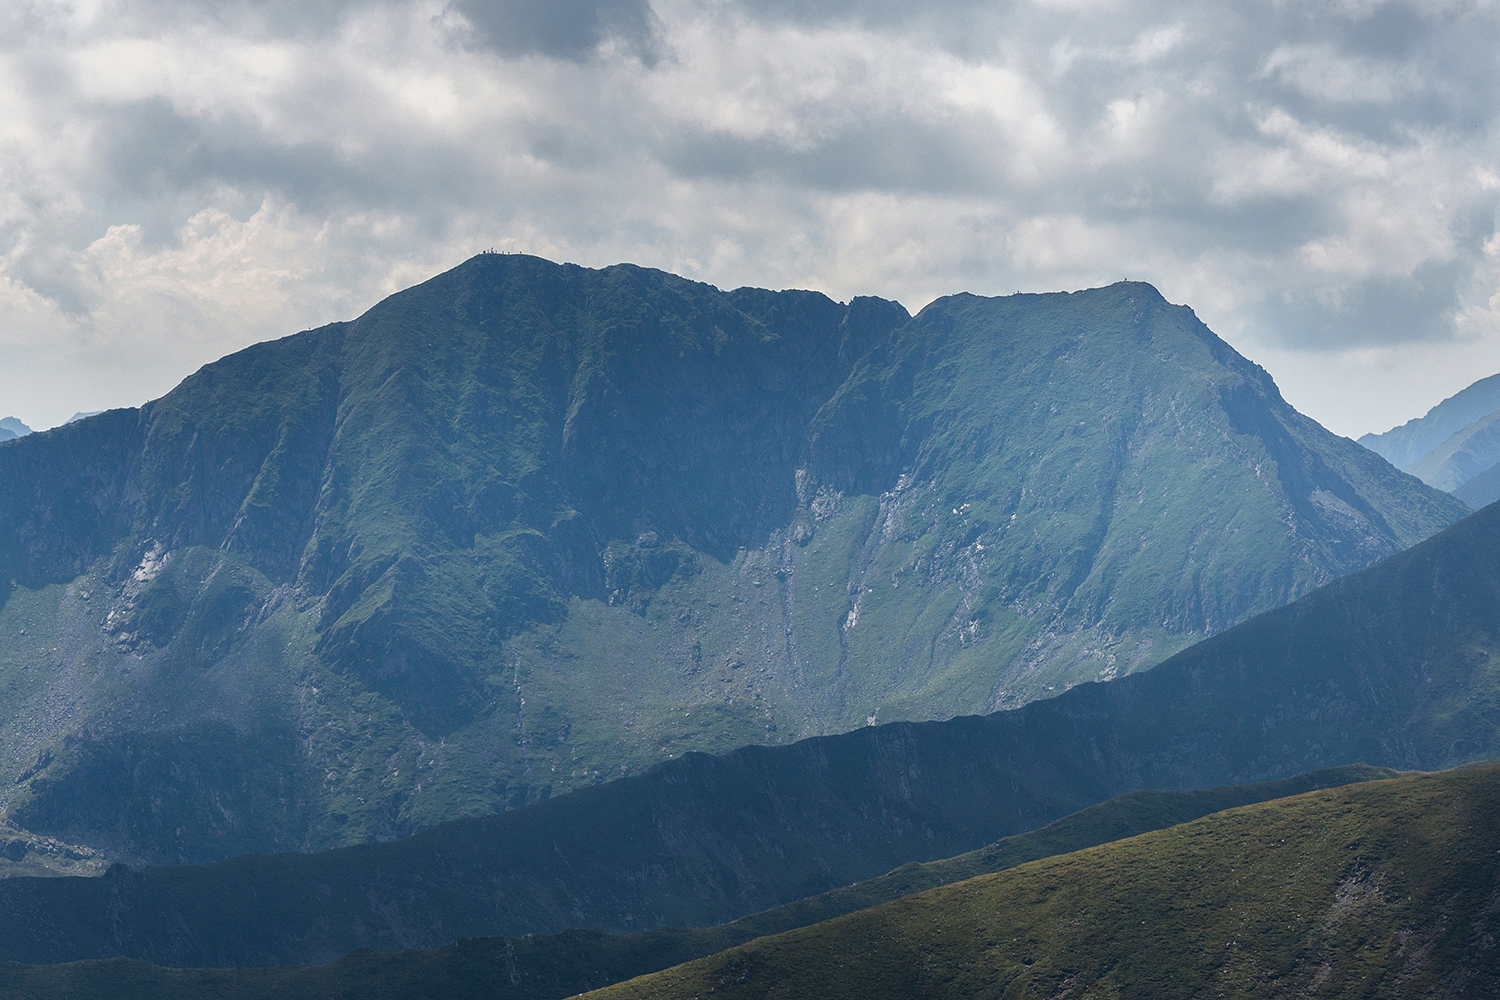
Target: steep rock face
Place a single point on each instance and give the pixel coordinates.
(324, 542)
(527, 527)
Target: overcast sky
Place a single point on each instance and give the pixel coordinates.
(1319, 181)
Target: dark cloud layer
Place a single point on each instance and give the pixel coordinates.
(1373, 311)
(564, 29)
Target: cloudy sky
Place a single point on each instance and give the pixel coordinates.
(1319, 181)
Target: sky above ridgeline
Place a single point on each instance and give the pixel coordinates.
(1319, 181)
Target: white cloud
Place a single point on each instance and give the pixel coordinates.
(1320, 72)
(179, 178)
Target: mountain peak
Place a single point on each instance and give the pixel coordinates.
(537, 524)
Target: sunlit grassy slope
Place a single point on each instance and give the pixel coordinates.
(547, 967)
(1380, 889)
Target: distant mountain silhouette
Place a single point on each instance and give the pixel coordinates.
(1404, 445)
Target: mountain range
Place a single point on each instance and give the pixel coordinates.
(528, 527)
(1395, 666)
(1406, 444)
(546, 627)
(1454, 447)
(1463, 455)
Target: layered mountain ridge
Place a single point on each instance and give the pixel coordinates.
(1403, 445)
(529, 526)
(1455, 446)
(1395, 666)
(149, 915)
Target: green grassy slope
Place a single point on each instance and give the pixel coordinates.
(528, 527)
(1380, 889)
(1091, 481)
(548, 967)
(1395, 665)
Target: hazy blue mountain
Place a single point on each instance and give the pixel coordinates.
(1482, 490)
(527, 527)
(11, 428)
(1457, 441)
(1397, 666)
(1401, 446)
(83, 415)
(1462, 456)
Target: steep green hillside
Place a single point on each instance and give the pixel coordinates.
(1088, 481)
(1381, 889)
(529, 527)
(548, 967)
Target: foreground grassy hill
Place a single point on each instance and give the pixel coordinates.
(1389, 888)
(528, 527)
(708, 841)
(550, 967)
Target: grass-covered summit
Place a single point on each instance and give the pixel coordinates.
(527, 527)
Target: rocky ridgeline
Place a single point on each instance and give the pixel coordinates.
(528, 527)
